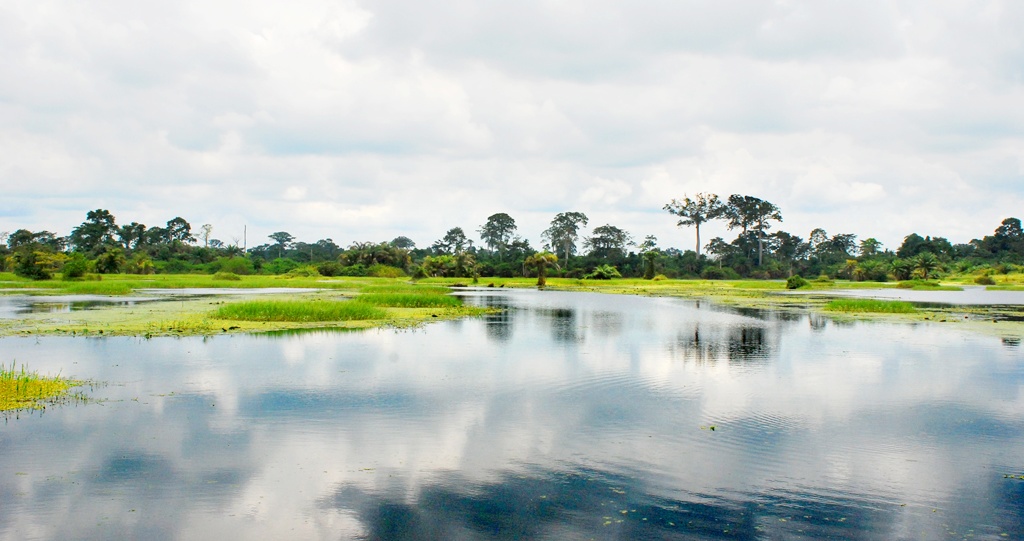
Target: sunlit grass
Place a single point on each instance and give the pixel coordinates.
(411, 300)
(874, 306)
(299, 311)
(21, 389)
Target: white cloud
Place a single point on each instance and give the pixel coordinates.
(360, 121)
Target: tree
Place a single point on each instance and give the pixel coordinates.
(704, 207)
(404, 243)
(179, 230)
(925, 262)
(540, 261)
(564, 231)
(748, 212)
(608, 242)
(204, 233)
(283, 239)
(498, 232)
(131, 235)
(97, 229)
(870, 247)
(454, 242)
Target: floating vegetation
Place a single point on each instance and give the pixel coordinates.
(21, 389)
(300, 311)
(874, 306)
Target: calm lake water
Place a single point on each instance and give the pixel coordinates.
(568, 416)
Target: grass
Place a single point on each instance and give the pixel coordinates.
(412, 299)
(21, 389)
(873, 306)
(304, 311)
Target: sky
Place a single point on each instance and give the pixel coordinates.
(363, 121)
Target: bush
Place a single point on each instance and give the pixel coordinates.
(796, 282)
(603, 272)
(226, 276)
(718, 273)
(305, 271)
(384, 271)
(985, 280)
(76, 267)
(235, 265)
(659, 278)
(329, 268)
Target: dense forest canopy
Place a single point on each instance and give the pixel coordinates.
(760, 249)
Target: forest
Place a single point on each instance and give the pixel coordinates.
(100, 246)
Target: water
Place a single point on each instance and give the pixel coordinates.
(568, 416)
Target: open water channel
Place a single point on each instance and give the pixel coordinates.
(567, 416)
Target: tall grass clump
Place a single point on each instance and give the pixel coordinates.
(21, 389)
(411, 300)
(870, 306)
(299, 311)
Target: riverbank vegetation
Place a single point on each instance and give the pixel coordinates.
(22, 389)
(100, 248)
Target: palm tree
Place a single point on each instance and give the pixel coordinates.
(541, 260)
(925, 262)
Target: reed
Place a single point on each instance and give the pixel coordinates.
(21, 389)
(411, 300)
(300, 311)
(874, 306)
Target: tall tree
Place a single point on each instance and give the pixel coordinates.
(97, 229)
(131, 235)
(453, 242)
(564, 230)
(608, 241)
(204, 233)
(704, 207)
(179, 230)
(540, 261)
(870, 247)
(283, 239)
(755, 214)
(498, 232)
(403, 242)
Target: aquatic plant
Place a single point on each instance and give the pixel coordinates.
(410, 300)
(299, 311)
(870, 306)
(21, 389)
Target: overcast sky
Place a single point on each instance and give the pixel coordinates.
(364, 120)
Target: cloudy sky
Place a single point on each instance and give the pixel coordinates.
(364, 120)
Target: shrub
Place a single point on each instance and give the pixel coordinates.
(226, 276)
(796, 282)
(76, 267)
(329, 268)
(603, 272)
(659, 278)
(718, 273)
(305, 271)
(985, 280)
(384, 271)
(235, 265)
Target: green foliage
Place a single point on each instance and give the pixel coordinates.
(870, 306)
(222, 275)
(300, 311)
(241, 266)
(540, 261)
(140, 263)
(384, 271)
(305, 271)
(76, 267)
(111, 261)
(796, 282)
(31, 264)
(280, 265)
(718, 273)
(985, 280)
(21, 389)
(604, 272)
(417, 299)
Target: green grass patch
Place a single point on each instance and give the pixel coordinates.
(411, 300)
(927, 285)
(21, 389)
(874, 306)
(300, 311)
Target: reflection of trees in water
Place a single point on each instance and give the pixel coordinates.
(597, 505)
(607, 324)
(499, 324)
(706, 345)
(1011, 342)
(563, 323)
(818, 322)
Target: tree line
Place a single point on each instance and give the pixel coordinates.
(100, 245)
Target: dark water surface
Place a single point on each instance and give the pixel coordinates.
(569, 416)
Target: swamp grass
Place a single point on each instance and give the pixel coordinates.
(411, 299)
(21, 389)
(872, 306)
(299, 311)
